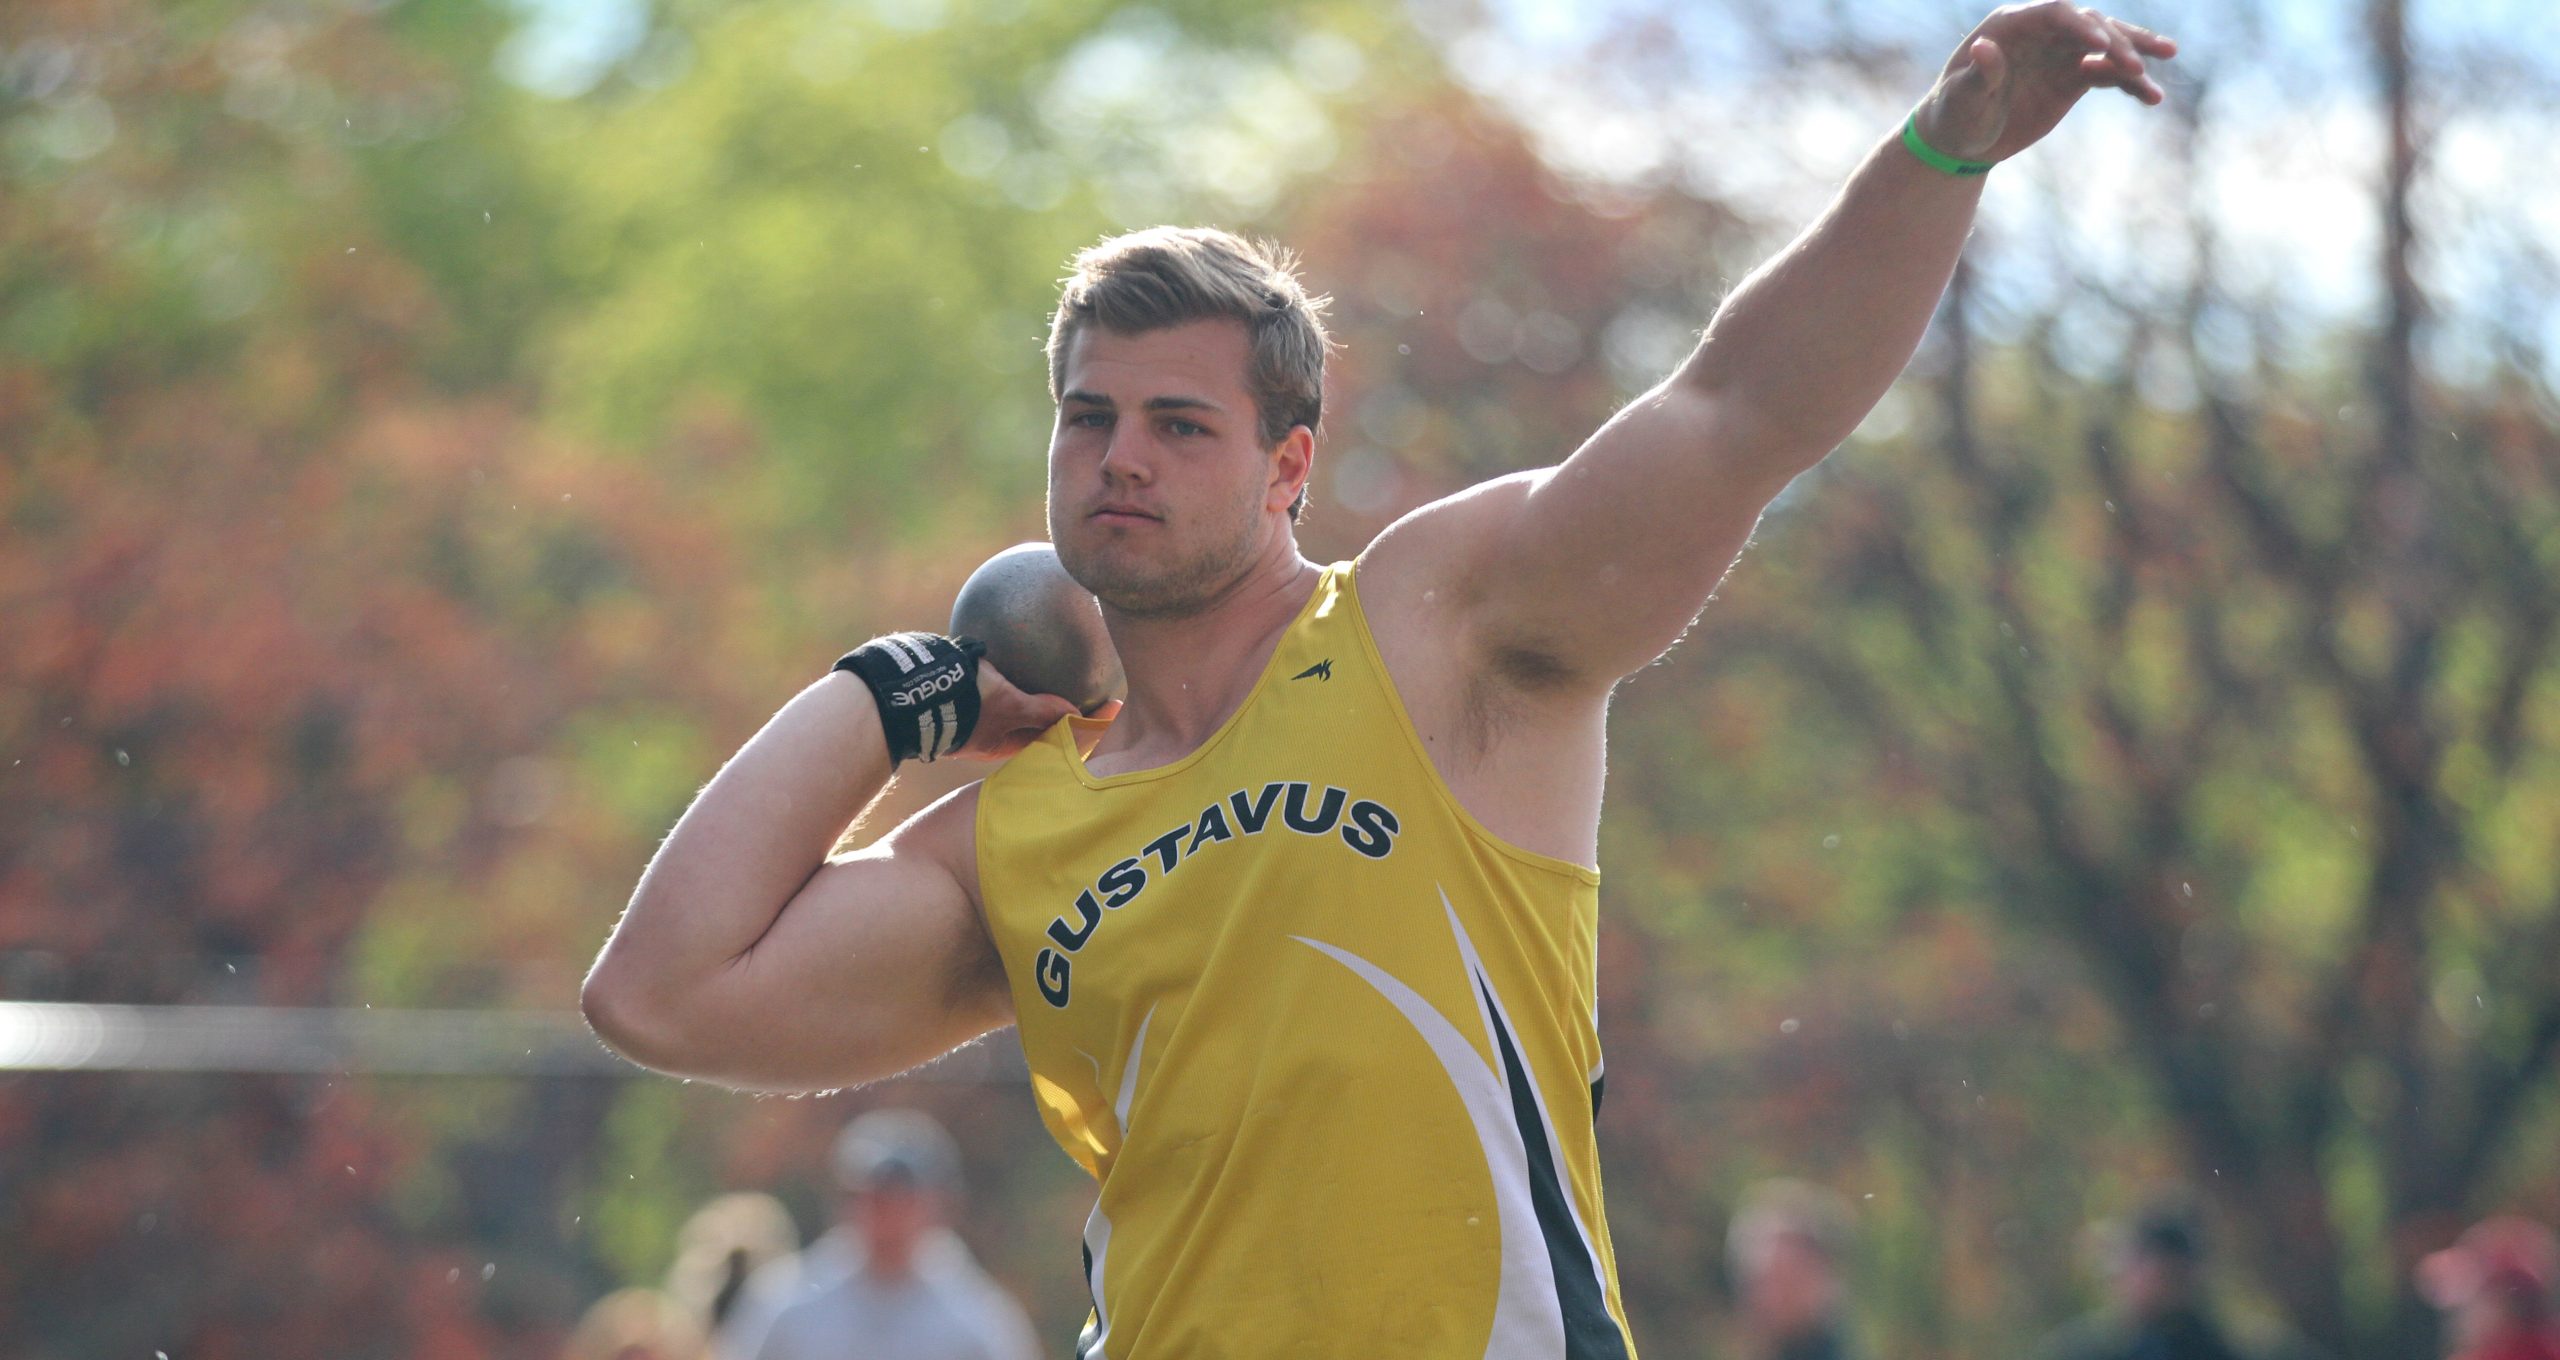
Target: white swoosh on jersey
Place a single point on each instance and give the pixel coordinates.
(1527, 1321)
(1097, 1227)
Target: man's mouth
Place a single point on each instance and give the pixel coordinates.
(1121, 514)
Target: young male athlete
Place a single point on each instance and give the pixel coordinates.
(1300, 945)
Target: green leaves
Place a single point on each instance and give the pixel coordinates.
(844, 224)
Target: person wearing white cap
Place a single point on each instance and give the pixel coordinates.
(890, 1281)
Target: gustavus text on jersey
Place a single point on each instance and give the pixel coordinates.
(1367, 828)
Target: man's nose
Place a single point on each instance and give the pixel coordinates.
(1125, 457)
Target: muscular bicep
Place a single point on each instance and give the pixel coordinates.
(1613, 552)
(878, 963)
(1573, 576)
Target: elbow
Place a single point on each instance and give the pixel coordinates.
(666, 1025)
(646, 1026)
(602, 1000)
(627, 1019)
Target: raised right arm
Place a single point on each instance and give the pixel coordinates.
(748, 958)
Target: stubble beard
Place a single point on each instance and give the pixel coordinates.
(1143, 586)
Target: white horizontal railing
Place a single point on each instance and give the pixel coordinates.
(65, 1036)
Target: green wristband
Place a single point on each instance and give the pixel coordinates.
(1934, 158)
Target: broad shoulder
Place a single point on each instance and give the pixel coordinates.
(1433, 583)
(1515, 733)
(1433, 557)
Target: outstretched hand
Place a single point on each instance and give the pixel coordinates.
(2024, 67)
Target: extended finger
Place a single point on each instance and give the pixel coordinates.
(2120, 64)
(2128, 48)
(2116, 45)
(2154, 45)
(2103, 74)
(2103, 71)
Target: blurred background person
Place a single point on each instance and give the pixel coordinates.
(2156, 1306)
(720, 1248)
(1788, 1252)
(2494, 1287)
(637, 1324)
(890, 1273)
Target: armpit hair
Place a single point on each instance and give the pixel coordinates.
(1534, 669)
(1498, 695)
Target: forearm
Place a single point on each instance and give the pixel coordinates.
(753, 836)
(1799, 354)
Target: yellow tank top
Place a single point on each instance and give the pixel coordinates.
(1326, 1043)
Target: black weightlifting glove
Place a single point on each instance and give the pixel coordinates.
(927, 688)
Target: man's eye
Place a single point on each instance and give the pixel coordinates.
(1089, 420)
(1185, 428)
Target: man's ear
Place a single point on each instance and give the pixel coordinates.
(1291, 465)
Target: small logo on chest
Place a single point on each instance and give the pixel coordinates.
(1322, 671)
(1368, 828)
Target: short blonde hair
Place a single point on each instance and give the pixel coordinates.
(1168, 276)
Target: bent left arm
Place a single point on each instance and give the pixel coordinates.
(1584, 572)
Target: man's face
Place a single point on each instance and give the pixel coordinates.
(893, 1219)
(1161, 492)
(2149, 1284)
(1792, 1289)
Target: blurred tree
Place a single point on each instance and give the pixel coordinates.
(843, 223)
(341, 670)
(294, 624)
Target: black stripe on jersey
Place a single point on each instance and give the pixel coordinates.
(1589, 1332)
(1092, 1320)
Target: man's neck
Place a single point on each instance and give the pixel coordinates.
(1189, 673)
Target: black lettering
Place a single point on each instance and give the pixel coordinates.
(1168, 847)
(1123, 883)
(1295, 813)
(1252, 816)
(1371, 830)
(1051, 969)
(1212, 827)
(1072, 939)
